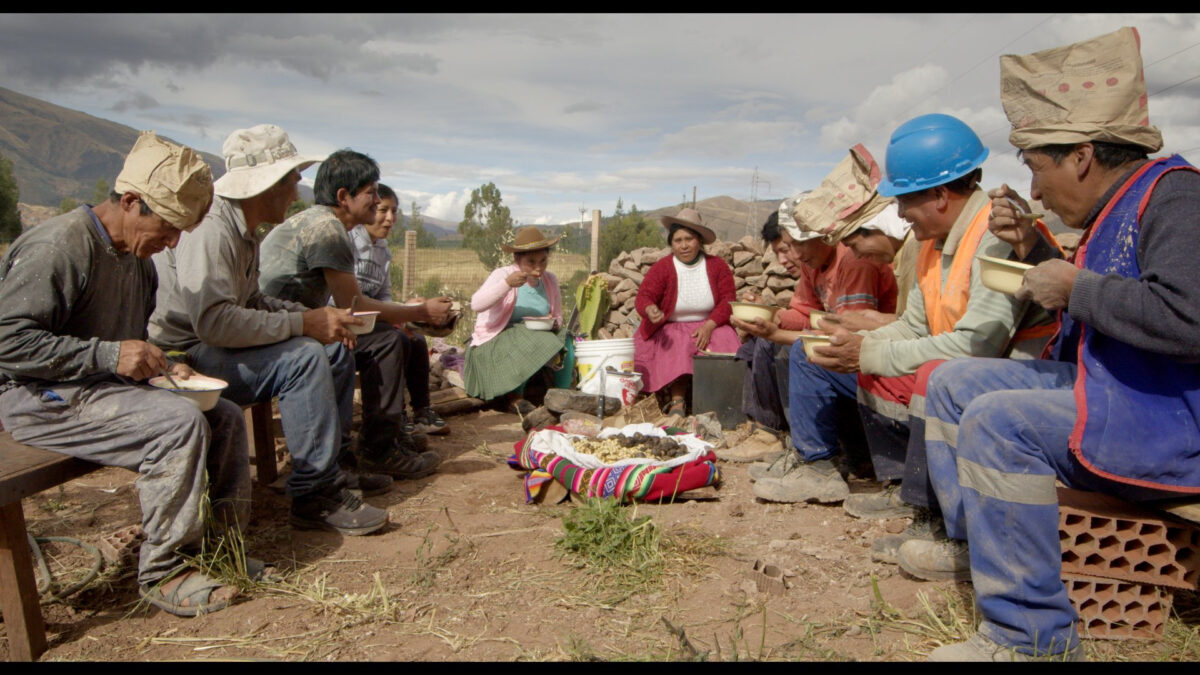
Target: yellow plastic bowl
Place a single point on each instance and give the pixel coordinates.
(812, 340)
(199, 389)
(749, 311)
(814, 318)
(1002, 276)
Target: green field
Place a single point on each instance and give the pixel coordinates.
(458, 272)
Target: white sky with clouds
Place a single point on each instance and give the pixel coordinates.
(570, 111)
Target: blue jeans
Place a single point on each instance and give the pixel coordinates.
(814, 394)
(996, 440)
(315, 387)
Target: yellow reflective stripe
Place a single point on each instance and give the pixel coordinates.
(941, 430)
(1018, 488)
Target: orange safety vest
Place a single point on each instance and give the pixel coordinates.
(945, 305)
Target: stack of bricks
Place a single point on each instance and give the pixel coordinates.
(1122, 562)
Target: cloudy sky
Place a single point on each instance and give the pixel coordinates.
(572, 111)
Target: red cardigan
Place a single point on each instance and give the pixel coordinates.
(661, 287)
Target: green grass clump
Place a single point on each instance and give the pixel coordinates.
(604, 538)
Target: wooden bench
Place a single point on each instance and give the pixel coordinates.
(25, 471)
(261, 429)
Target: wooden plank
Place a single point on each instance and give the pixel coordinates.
(18, 589)
(459, 406)
(1187, 509)
(263, 438)
(446, 395)
(25, 470)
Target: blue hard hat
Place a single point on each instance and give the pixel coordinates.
(928, 151)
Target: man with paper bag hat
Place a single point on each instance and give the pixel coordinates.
(1113, 406)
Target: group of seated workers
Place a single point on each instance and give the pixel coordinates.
(970, 403)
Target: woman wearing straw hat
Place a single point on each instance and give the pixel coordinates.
(684, 303)
(504, 354)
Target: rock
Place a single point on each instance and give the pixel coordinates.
(776, 268)
(562, 400)
(768, 296)
(538, 419)
(611, 279)
(757, 280)
(783, 298)
(721, 250)
(624, 285)
(738, 282)
(603, 334)
(780, 283)
(742, 257)
(633, 275)
(751, 243)
(751, 268)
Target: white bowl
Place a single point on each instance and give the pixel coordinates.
(368, 323)
(811, 340)
(814, 318)
(539, 322)
(749, 311)
(199, 389)
(1002, 276)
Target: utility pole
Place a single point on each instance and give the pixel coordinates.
(693, 196)
(595, 257)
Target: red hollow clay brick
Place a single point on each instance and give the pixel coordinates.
(1109, 609)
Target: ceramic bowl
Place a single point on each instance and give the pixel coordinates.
(199, 389)
(811, 340)
(539, 322)
(368, 323)
(1002, 276)
(749, 311)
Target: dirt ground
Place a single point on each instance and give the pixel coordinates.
(467, 571)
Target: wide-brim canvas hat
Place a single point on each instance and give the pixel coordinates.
(256, 158)
(529, 239)
(692, 220)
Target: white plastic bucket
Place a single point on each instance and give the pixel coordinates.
(593, 354)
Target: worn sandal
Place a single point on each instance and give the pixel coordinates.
(189, 593)
(260, 571)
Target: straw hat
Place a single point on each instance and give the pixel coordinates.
(529, 239)
(171, 179)
(691, 219)
(256, 158)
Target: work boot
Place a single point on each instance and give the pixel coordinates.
(775, 468)
(880, 505)
(402, 462)
(817, 481)
(427, 421)
(926, 524)
(365, 484)
(937, 560)
(336, 508)
(979, 648)
(757, 447)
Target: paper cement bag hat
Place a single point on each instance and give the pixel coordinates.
(171, 179)
(1088, 91)
(845, 199)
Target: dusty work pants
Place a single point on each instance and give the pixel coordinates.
(822, 408)
(765, 388)
(379, 357)
(996, 440)
(158, 434)
(315, 387)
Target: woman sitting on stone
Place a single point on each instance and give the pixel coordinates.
(684, 305)
(504, 354)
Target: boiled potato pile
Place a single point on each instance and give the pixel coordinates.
(616, 448)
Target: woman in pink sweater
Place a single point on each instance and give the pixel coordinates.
(684, 304)
(504, 354)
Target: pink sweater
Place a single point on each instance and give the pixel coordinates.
(495, 300)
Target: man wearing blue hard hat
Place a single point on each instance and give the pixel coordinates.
(933, 170)
(1113, 409)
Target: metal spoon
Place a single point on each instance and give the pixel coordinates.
(1023, 213)
(164, 373)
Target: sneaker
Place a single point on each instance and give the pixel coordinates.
(817, 481)
(427, 421)
(402, 463)
(980, 648)
(937, 560)
(775, 468)
(926, 524)
(881, 505)
(365, 484)
(336, 509)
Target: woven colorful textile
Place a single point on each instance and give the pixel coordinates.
(625, 482)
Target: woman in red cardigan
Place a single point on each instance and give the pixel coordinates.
(684, 305)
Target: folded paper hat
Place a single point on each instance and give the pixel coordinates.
(171, 179)
(845, 200)
(1088, 91)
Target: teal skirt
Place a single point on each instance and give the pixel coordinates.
(506, 362)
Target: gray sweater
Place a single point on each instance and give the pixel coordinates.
(67, 300)
(208, 290)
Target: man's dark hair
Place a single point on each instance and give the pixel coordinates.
(1108, 155)
(386, 192)
(143, 208)
(770, 228)
(965, 185)
(343, 169)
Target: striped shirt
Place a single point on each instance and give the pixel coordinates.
(372, 264)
